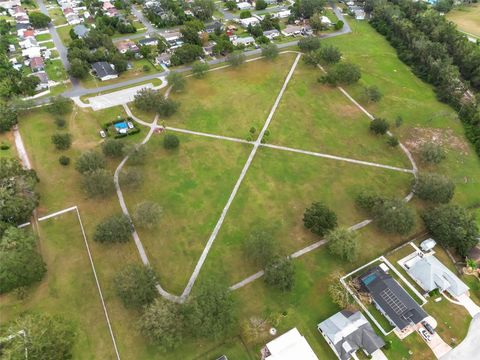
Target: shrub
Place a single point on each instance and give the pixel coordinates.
(373, 94)
(135, 285)
(343, 243)
(339, 25)
(114, 229)
(167, 107)
(379, 126)
(59, 105)
(260, 5)
(200, 69)
(280, 273)
(90, 161)
(64, 160)
(4, 146)
(434, 187)
(131, 177)
(319, 219)
(367, 200)
(60, 122)
(113, 147)
(392, 141)
(171, 141)
(176, 80)
(62, 141)
(245, 14)
(146, 68)
(270, 51)
(432, 153)
(236, 58)
(343, 73)
(329, 54)
(394, 216)
(98, 183)
(147, 214)
(137, 155)
(260, 247)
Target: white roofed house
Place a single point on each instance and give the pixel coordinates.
(8, 4)
(249, 21)
(245, 41)
(271, 34)
(244, 6)
(325, 21)
(289, 346)
(32, 52)
(346, 332)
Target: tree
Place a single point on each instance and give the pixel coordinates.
(280, 273)
(62, 141)
(59, 105)
(8, 116)
(119, 62)
(98, 183)
(190, 32)
(146, 99)
(203, 9)
(176, 80)
(319, 219)
(171, 141)
(343, 73)
(137, 154)
(131, 177)
(166, 107)
(432, 153)
(38, 20)
(47, 337)
(316, 23)
(379, 126)
(78, 68)
(210, 312)
(116, 228)
(372, 93)
(306, 8)
(236, 58)
(338, 293)
(147, 214)
(310, 43)
(200, 69)
(89, 161)
(368, 200)
(20, 263)
(260, 247)
(163, 322)
(185, 54)
(17, 192)
(392, 141)
(394, 216)
(231, 5)
(330, 54)
(444, 6)
(64, 160)
(260, 5)
(270, 51)
(343, 243)
(244, 14)
(135, 286)
(434, 187)
(113, 148)
(452, 226)
(339, 25)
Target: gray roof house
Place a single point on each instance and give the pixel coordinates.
(347, 331)
(391, 299)
(104, 71)
(431, 274)
(80, 30)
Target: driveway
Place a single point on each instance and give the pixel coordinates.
(472, 308)
(469, 348)
(116, 98)
(436, 343)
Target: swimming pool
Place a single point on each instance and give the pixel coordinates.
(121, 125)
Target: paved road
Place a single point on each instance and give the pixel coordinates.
(469, 348)
(139, 15)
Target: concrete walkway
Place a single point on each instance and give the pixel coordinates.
(22, 152)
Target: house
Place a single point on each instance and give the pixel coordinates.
(112, 12)
(44, 82)
(271, 34)
(431, 274)
(28, 34)
(127, 45)
(400, 309)
(292, 30)
(18, 11)
(21, 27)
(271, 2)
(163, 59)
(208, 47)
(173, 38)
(249, 21)
(32, 52)
(291, 345)
(86, 15)
(37, 64)
(244, 6)
(148, 41)
(104, 71)
(210, 28)
(282, 14)
(245, 41)
(23, 19)
(11, 47)
(9, 4)
(68, 11)
(80, 30)
(73, 19)
(107, 5)
(325, 21)
(346, 332)
(28, 43)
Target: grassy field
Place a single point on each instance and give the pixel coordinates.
(467, 18)
(55, 70)
(43, 37)
(68, 289)
(230, 101)
(325, 121)
(64, 34)
(57, 16)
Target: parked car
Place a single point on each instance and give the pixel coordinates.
(429, 327)
(425, 334)
(103, 134)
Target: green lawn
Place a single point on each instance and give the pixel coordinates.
(230, 101)
(55, 70)
(326, 121)
(57, 16)
(6, 138)
(49, 44)
(64, 34)
(43, 37)
(68, 289)
(467, 18)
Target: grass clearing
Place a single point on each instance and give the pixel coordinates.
(64, 34)
(55, 70)
(230, 101)
(68, 288)
(467, 18)
(43, 37)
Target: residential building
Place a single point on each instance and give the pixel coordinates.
(80, 30)
(127, 45)
(431, 274)
(163, 59)
(28, 34)
(244, 6)
(32, 52)
(148, 41)
(44, 81)
(292, 30)
(291, 345)
(37, 64)
(9, 4)
(112, 12)
(271, 34)
(210, 28)
(28, 43)
(282, 14)
(325, 21)
(400, 309)
(249, 21)
(245, 41)
(346, 332)
(107, 5)
(20, 28)
(104, 71)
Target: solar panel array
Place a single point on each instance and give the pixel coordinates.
(393, 301)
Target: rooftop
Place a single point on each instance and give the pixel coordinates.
(102, 68)
(291, 345)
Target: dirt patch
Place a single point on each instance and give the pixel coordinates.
(416, 137)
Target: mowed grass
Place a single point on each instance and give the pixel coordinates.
(230, 101)
(467, 18)
(68, 289)
(317, 117)
(277, 189)
(192, 185)
(424, 118)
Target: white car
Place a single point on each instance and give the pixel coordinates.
(425, 334)
(130, 125)
(103, 134)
